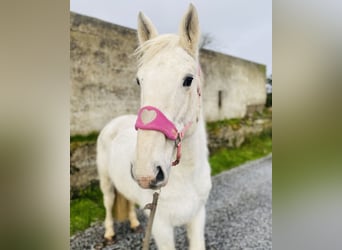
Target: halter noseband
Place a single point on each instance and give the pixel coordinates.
(151, 118)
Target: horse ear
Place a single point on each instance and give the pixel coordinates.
(146, 29)
(189, 31)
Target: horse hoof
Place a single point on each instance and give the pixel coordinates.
(104, 243)
(98, 246)
(137, 229)
(109, 241)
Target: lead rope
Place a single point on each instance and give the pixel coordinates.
(153, 207)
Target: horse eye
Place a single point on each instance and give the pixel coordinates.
(187, 81)
(138, 82)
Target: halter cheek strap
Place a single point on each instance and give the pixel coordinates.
(151, 118)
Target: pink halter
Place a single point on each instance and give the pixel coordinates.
(151, 118)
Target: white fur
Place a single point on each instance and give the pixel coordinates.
(187, 185)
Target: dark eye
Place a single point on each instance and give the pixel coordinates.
(187, 81)
(138, 82)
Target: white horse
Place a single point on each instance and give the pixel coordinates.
(134, 161)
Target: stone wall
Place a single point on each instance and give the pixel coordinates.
(83, 170)
(239, 83)
(103, 68)
(234, 135)
(102, 73)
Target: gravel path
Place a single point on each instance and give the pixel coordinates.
(239, 214)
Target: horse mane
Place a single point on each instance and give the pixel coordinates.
(150, 48)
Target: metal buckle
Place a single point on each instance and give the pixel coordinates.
(178, 143)
(178, 140)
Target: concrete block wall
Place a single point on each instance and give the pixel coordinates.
(103, 69)
(231, 85)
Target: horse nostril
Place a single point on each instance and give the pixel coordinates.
(160, 174)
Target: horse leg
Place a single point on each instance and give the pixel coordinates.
(195, 231)
(107, 189)
(163, 235)
(132, 216)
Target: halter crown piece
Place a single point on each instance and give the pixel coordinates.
(151, 118)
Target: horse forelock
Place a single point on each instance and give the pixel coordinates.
(146, 51)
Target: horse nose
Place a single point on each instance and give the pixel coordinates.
(159, 180)
(153, 182)
(160, 174)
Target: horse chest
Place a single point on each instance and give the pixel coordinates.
(178, 210)
(180, 200)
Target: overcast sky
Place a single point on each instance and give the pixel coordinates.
(241, 28)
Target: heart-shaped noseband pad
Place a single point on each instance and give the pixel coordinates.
(148, 116)
(151, 118)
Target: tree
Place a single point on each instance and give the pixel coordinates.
(269, 79)
(206, 39)
(269, 91)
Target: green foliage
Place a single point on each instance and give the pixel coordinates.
(91, 137)
(79, 140)
(253, 148)
(86, 208)
(269, 100)
(235, 123)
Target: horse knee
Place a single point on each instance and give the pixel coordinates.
(106, 184)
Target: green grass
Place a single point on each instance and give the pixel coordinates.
(77, 141)
(91, 137)
(253, 148)
(235, 123)
(83, 212)
(87, 207)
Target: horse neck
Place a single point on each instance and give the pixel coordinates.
(195, 145)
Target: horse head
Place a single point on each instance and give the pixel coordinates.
(169, 79)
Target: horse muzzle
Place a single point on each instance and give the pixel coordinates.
(155, 181)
